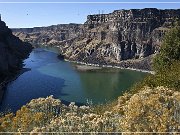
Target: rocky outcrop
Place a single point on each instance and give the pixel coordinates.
(12, 52)
(109, 38)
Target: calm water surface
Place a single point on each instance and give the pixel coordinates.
(47, 75)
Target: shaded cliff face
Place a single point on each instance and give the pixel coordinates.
(112, 38)
(12, 52)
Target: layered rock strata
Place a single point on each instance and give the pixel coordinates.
(109, 39)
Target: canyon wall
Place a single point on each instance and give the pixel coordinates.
(50, 35)
(12, 52)
(126, 38)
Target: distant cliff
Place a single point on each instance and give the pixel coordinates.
(12, 52)
(126, 38)
(49, 35)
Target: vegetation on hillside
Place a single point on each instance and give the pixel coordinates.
(50, 115)
(150, 110)
(153, 105)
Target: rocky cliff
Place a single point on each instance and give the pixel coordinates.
(50, 35)
(12, 52)
(126, 38)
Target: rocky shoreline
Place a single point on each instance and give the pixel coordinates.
(88, 66)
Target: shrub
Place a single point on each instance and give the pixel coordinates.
(170, 50)
(151, 110)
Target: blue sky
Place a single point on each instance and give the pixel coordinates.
(18, 15)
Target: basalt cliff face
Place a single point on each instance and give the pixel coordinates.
(12, 52)
(126, 38)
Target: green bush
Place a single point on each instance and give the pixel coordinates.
(167, 62)
(169, 77)
(170, 50)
